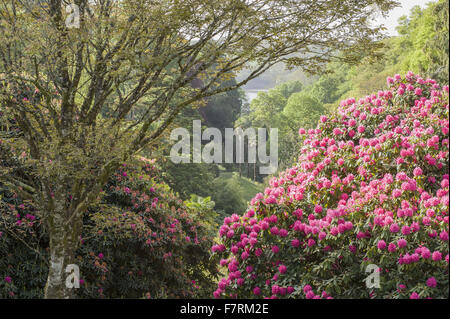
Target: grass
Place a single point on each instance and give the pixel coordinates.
(248, 187)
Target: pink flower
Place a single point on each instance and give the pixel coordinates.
(425, 253)
(283, 233)
(275, 249)
(256, 291)
(417, 171)
(295, 243)
(282, 269)
(394, 228)
(406, 230)
(322, 235)
(396, 193)
(414, 295)
(310, 295)
(401, 243)
(217, 293)
(275, 289)
(334, 231)
(318, 209)
(381, 244)
(436, 256)
(392, 247)
(8, 279)
(431, 282)
(244, 255)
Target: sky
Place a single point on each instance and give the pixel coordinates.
(404, 9)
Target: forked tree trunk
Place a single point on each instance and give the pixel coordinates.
(64, 238)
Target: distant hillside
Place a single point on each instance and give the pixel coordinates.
(274, 76)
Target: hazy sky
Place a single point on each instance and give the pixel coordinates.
(391, 21)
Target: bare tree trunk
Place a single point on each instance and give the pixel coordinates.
(64, 238)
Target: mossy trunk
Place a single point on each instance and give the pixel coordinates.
(64, 239)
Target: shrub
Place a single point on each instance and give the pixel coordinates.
(140, 240)
(370, 187)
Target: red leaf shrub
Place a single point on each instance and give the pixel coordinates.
(370, 187)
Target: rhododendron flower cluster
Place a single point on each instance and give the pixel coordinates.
(370, 187)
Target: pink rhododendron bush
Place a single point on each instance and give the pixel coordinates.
(368, 198)
(138, 241)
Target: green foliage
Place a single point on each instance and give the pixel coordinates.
(286, 107)
(437, 45)
(202, 209)
(289, 88)
(265, 109)
(223, 109)
(228, 195)
(187, 179)
(303, 110)
(328, 88)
